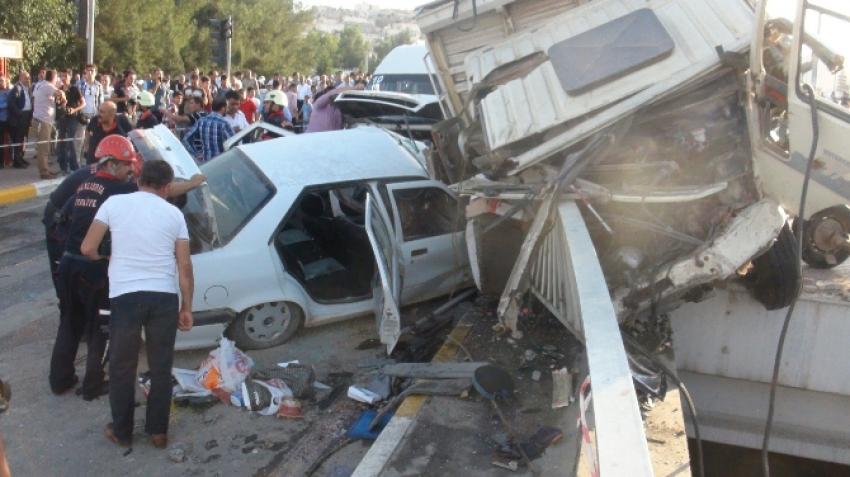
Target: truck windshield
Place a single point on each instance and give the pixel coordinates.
(410, 84)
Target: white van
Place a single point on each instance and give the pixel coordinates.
(400, 97)
(404, 70)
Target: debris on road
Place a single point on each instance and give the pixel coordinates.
(432, 370)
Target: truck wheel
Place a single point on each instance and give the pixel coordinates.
(775, 277)
(825, 237)
(266, 325)
(490, 252)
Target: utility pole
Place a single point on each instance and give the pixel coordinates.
(228, 38)
(90, 6)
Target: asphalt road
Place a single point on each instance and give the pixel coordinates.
(62, 435)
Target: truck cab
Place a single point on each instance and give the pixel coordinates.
(798, 106)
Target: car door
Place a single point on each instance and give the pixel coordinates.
(385, 289)
(429, 223)
(820, 63)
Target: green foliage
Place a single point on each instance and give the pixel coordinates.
(323, 48)
(268, 36)
(352, 48)
(45, 27)
(383, 47)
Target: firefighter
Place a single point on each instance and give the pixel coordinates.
(83, 283)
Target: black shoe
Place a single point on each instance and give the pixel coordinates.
(20, 165)
(101, 390)
(63, 390)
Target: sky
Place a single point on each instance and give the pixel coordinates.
(398, 4)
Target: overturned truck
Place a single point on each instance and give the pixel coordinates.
(672, 134)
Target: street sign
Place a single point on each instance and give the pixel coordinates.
(11, 49)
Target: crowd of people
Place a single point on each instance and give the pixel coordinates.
(71, 112)
(118, 250)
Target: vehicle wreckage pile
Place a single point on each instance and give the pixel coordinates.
(663, 173)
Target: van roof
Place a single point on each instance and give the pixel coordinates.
(405, 60)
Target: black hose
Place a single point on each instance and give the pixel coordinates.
(801, 214)
(692, 409)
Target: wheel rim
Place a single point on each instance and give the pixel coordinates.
(828, 234)
(266, 322)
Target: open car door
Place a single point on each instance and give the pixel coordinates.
(385, 292)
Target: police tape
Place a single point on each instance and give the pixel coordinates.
(30, 143)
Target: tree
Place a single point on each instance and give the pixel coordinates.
(352, 48)
(45, 27)
(322, 49)
(386, 45)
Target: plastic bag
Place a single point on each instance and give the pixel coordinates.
(225, 368)
(266, 394)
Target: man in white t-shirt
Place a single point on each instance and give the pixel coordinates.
(150, 261)
(233, 115)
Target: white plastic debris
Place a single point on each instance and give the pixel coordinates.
(362, 395)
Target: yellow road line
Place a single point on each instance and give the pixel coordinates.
(412, 404)
(17, 194)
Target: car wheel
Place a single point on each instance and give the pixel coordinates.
(775, 277)
(266, 325)
(825, 237)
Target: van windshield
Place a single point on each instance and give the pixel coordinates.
(410, 84)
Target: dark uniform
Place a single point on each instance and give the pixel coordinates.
(83, 287)
(55, 227)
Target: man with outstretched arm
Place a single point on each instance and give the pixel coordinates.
(150, 250)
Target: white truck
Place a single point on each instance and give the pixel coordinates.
(640, 165)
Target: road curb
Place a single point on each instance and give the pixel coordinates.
(375, 460)
(10, 195)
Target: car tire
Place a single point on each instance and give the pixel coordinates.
(815, 256)
(491, 250)
(775, 277)
(266, 325)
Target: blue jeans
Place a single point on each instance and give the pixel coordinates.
(69, 128)
(157, 312)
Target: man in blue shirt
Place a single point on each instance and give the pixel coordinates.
(212, 130)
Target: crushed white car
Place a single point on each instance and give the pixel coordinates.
(286, 233)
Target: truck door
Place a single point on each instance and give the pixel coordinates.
(385, 289)
(821, 49)
(429, 224)
(819, 86)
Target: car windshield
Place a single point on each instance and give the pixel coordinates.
(235, 191)
(410, 84)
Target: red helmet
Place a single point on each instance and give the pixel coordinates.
(115, 147)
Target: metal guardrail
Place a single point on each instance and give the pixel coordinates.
(566, 277)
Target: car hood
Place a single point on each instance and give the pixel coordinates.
(160, 143)
(377, 104)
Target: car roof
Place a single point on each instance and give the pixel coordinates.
(333, 156)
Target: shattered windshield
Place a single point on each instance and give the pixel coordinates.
(235, 191)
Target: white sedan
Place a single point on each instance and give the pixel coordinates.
(285, 233)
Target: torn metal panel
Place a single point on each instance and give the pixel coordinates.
(749, 234)
(538, 102)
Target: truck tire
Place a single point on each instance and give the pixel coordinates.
(832, 220)
(775, 277)
(266, 325)
(494, 251)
